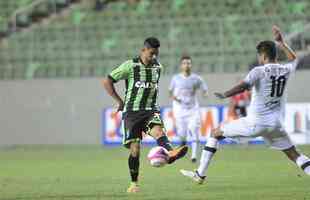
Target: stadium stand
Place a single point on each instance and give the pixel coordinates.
(220, 36)
(7, 8)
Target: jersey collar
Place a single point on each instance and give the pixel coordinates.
(154, 62)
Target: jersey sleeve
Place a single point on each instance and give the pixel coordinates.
(252, 77)
(121, 72)
(292, 65)
(202, 84)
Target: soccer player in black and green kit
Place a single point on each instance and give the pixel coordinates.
(140, 108)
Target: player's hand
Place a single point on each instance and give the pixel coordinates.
(176, 99)
(277, 35)
(219, 95)
(120, 106)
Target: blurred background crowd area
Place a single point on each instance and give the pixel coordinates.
(87, 38)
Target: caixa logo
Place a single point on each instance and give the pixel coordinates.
(143, 84)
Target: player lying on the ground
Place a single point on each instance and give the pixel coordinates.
(140, 109)
(183, 89)
(266, 112)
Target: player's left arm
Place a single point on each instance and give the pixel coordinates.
(171, 89)
(241, 87)
(278, 37)
(203, 87)
(290, 53)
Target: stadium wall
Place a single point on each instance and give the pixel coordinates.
(68, 111)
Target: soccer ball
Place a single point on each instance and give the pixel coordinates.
(158, 156)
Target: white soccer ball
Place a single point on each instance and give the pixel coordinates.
(158, 156)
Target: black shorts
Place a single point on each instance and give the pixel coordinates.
(136, 122)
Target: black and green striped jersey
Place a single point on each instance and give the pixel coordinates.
(141, 84)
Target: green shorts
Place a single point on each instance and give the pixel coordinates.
(136, 122)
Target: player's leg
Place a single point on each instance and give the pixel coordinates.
(209, 150)
(236, 128)
(194, 130)
(194, 143)
(131, 140)
(134, 163)
(206, 156)
(157, 132)
(301, 160)
(155, 128)
(181, 125)
(278, 139)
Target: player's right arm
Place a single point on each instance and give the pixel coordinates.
(241, 87)
(171, 89)
(253, 76)
(172, 96)
(119, 73)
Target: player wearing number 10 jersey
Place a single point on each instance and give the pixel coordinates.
(267, 109)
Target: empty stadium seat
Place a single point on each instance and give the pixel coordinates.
(220, 35)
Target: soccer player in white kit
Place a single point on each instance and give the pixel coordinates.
(267, 109)
(183, 89)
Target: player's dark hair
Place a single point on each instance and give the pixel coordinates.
(268, 48)
(185, 57)
(151, 42)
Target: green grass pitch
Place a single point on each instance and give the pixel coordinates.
(94, 172)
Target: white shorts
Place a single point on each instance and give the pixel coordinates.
(274, 136)
(189, 124)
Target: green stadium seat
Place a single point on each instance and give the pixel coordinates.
(23, 20)
(219, 35)
(41, 10)
(178, 4)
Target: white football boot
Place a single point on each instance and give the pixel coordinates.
(193, 175)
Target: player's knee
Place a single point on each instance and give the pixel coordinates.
(217, 133)
(292, 153)
(157, 131)
(182, 134)
(134, 149)
(195, 138)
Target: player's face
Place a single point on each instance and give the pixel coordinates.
(150, 53)
(186, 65)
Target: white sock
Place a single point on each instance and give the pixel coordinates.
(194, 149)
(304, 163)
(207, 155)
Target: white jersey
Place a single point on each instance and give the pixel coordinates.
(269, 93)
(185, 88)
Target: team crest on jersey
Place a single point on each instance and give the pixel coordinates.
(155, 74)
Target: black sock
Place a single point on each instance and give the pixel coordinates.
(183, 143)
(164, 142)
(134, 163)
